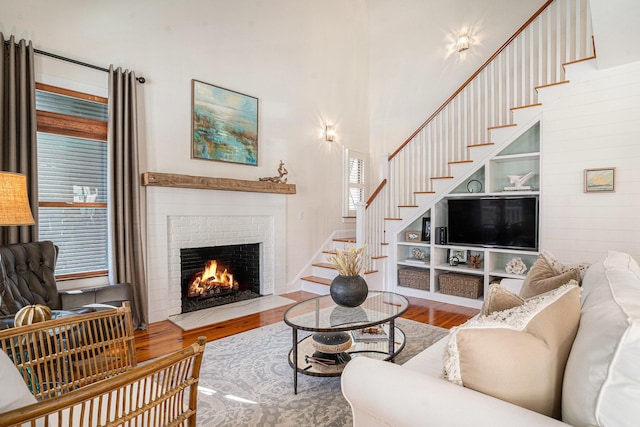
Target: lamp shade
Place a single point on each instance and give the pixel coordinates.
(14, 201)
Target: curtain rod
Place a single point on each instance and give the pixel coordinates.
(75, 61)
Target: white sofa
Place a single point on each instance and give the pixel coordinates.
(601, 381)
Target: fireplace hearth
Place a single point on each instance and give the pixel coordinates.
(218, 275)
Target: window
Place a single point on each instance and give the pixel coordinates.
(72, 179)
(355, 182)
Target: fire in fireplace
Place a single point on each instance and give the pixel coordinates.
(218, 275)
(211, 282)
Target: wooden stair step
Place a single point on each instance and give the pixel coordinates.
(589, 58)
(319, 280)
(424, 192)
(526, 106)
(457, 162)
(379, 256)
(323, 265)
(393, 219)
(484, 144)
(407, 206)
(345, 240)
(510, 125)
(441, 177)
(370, 271)
(551, 84)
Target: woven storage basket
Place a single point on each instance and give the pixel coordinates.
(462, 285)
(417, 278)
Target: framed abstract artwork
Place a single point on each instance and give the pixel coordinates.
(596, 180)
(224, 125)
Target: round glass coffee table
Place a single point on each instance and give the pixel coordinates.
(370, 328)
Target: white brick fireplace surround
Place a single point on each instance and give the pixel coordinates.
(181, 218)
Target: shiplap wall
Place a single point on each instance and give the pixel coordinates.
(595, 124)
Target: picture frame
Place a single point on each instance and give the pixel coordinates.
(426, 229)
(412, 236)
(224, 124)
(599, 180)
(460, 254)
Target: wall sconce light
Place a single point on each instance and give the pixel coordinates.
(463, 42)
(329, 133)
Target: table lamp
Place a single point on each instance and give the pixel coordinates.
(14, 200)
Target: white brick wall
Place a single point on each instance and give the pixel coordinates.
(181, 218)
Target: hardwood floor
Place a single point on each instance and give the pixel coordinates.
(162, 338)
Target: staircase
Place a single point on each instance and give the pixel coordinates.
(494, 106)
(323, 272)
(501, 100)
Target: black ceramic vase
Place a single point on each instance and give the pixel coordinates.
(349, 291)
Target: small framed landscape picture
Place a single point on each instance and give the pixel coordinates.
(224, 125)
(599, 180)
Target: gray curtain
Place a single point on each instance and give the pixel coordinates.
(127, 254)
(18, 128)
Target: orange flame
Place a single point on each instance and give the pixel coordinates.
(211, 280)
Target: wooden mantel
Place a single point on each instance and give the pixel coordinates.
(156, 179)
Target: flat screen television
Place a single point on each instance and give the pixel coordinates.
(504, 222)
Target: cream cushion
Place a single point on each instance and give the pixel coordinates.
(560, 267)
(518, 355)
(14, 393)
(602, 378)
(499, 298)
(543, 278)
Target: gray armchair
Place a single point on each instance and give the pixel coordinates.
(27, 277)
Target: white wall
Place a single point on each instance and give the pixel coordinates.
(305, 60)
(594, 125)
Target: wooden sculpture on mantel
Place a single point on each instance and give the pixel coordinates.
(281, 178)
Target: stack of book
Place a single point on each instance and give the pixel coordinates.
(370, 334)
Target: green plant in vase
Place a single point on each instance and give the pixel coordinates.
(349, 289)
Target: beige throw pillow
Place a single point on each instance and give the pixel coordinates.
(543, 278)
(534, 288)
(560, 267)
(518, 355)
(499, 298)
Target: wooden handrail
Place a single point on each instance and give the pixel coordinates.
(473, 76)
(375, 193)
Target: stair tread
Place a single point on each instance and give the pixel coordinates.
(526, 106)
(502, 126)
(345, 239)
(551, 84)
(424, 192)
(589, 58)
(323, 265)
(320, 280)
(442, 177)
(407, 206)
(393, 219)
(484, 144)
(455, 162)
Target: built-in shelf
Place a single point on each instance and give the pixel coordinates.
(156, 179)
(490, 178)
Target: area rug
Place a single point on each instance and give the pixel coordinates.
(246, 380)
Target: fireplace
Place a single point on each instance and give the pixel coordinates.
(217, 275)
